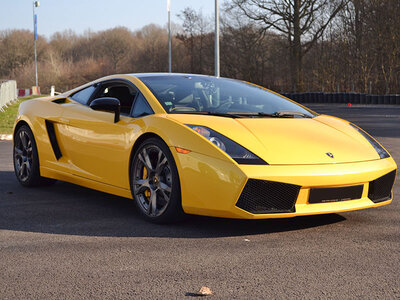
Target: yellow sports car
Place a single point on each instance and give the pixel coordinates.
(181, 143)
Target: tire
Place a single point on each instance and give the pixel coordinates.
(26, 159)
(155, 183)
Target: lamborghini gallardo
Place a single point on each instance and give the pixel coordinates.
(191, 144)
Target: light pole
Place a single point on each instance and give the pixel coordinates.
(216, 49)
(35, 4)
(169, 36)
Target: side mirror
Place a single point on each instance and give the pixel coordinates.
(107, 104)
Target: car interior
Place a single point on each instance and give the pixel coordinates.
(123, 93)
(198, 99)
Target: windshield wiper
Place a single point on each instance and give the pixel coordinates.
(289, 114)
(277, 114)
(209, 113)
(251, 114)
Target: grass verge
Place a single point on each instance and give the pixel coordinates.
(7, 117)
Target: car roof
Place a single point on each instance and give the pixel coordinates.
(146, 75)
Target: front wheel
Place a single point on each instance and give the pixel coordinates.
(155, 182)
(26, 159)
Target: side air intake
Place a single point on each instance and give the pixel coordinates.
(264, 197)
(381, 189)
(53, 139)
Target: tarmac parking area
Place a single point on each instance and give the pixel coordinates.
(69, 242)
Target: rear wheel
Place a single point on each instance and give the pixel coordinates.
(26, 160)
(155, 182)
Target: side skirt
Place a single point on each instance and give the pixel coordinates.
(102, 187)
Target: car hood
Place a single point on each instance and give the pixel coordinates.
(291, 141)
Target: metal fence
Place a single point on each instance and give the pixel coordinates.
(8, 93)
(354, 98)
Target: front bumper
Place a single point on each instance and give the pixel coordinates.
(212, 187)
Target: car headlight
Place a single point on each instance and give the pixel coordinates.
(382, 152)
(240, 154)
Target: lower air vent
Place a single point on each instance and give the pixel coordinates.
(262, 197)
(381, 189)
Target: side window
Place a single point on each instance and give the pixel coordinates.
(83, 95)
(123, 93)
(141, 107)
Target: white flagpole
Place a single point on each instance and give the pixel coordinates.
(216, 50)
(169, 36)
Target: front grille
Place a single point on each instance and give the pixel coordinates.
(335, 194)
(261, 197)
(381, 189)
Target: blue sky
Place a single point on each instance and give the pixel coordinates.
(80, 15)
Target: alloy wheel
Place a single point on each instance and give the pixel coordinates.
(152, 180)
(23, 155)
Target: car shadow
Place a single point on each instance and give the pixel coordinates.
(68, 209)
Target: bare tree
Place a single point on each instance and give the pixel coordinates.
(16, 48)
(302, 22)
(114, 45)
(195, 37)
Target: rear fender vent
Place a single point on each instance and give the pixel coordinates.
(262, 197)
(381, 189)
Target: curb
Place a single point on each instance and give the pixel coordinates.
(5, 137)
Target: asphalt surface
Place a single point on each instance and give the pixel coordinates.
(68, 242)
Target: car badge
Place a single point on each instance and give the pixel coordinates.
(329, 154)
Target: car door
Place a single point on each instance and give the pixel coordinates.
(96, 147)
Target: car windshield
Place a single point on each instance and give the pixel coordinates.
(211, 95)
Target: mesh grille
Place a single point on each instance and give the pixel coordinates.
(260, 196)
(381, 189)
